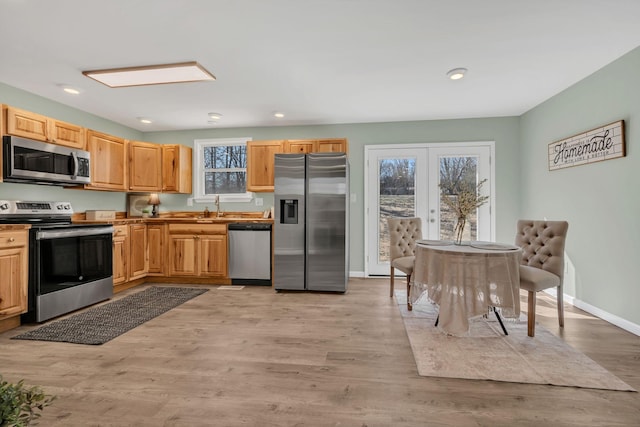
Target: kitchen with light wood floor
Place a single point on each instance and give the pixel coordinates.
(255, 357)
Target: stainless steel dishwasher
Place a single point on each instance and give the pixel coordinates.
(250, 253)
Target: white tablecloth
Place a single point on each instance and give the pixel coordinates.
(465, 281)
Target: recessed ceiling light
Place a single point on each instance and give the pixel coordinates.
(278, 115)
(145, 120)
(151, 74)
(456, 73)
(70, 90)
(215, 116)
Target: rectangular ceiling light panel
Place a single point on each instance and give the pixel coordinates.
(151, 75)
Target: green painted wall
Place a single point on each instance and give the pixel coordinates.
(600, 200)
(504, 131)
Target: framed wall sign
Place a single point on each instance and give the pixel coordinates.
(136, 203)
(595, 145)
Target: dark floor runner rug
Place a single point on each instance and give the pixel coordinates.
(103, 323)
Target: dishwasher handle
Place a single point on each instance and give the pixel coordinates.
(249, 226)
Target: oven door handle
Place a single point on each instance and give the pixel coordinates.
(73, 232)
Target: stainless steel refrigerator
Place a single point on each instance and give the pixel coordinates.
(311, 224)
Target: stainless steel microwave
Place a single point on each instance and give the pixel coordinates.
(35, 162)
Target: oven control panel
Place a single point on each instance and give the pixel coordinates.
(18, 207)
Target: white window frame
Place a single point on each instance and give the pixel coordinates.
(198, 171)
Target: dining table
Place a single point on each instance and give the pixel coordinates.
(466, 281)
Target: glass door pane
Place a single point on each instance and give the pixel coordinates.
(396, 197)
(454, 170)
(396, 188)
(457, 174)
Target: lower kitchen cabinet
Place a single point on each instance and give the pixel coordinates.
(120, 254)
(156, 248)
(197, 250)
(14, 273)
(213, 256)
(138, 264)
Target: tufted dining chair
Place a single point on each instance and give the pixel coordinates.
(403, 233)
(542, 265)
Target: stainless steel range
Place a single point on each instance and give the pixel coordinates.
(70, 265)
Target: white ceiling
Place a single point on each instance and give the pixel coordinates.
(318, 61)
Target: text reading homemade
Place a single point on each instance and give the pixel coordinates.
(603, 143)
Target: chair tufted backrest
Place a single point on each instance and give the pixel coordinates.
(403, 233)
(542, 243)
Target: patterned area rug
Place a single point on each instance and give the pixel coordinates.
(487, 354)
(105, 322)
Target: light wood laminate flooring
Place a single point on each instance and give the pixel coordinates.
(256, 357)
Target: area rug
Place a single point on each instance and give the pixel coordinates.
(487, 354)
(105, 322)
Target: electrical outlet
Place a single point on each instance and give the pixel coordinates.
(190, 201)
(259, 201)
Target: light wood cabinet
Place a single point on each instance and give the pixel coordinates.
(35, 126)
(67, 134)
(176, 168)
(108, 162)
(197, 250)
(26, 124)
(332, 145)
(138, 264)
(145, 166)
(260, 164)
(213, 256)
(156, 248)
(120, 254)
(305, 146)
(14, 255)
(300, 146)
(260, 157)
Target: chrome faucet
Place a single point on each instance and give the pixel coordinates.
(217, 205)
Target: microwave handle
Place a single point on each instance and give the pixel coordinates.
(75, 165)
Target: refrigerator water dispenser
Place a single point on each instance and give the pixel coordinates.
(288, 211)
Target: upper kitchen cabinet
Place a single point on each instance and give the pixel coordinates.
(332, 145)
(176, 168)
(108, 162)
(35, 126)
(145, 166)
(260, 164)
(260, 157)
(67, 134)
(304, 146)
(301, 146)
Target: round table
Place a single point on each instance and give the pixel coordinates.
(466, 281)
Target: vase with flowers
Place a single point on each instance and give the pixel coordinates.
(463, 201)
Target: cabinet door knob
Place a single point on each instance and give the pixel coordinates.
(12, 239)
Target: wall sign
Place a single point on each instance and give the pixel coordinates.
(595, 145)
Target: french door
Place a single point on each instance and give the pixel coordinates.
(412, 180)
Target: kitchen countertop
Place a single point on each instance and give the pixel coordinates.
(14, 227)
(169, 219)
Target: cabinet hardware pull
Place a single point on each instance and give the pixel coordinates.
(12, 239)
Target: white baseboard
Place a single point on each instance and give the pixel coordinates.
(359, 274)
(598, 312)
